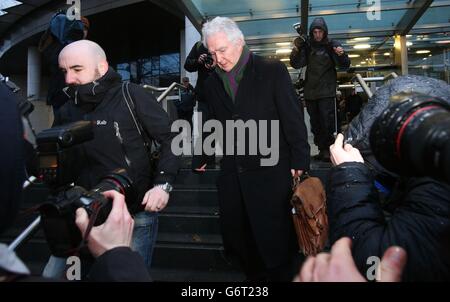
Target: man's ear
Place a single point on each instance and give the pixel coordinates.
(103, 67)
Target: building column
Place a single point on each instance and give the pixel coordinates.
(34, 74)
(401, 54)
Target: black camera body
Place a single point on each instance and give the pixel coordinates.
(57, 151)
(209, 60)
(58, 214)
(412, 136)
(58, 156)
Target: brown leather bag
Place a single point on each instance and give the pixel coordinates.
(310, 214)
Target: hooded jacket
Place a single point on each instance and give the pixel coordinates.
(321, 62)
(420, 207)
(117, 143)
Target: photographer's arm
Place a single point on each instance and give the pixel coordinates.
(110, 244)
(158, 125)
(192, 63)
(355, 211)
(340, 56)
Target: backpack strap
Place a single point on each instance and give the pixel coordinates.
(132, 109)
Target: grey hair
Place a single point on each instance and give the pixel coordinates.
(222, 24)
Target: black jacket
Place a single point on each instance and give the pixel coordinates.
(192, 65)
(120, 264)
(103, 103)
(265, 93)
(420, 222)
(321, 60)
(12, 160)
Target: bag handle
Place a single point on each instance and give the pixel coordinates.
(296, 180)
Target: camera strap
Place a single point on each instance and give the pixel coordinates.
(132, 108)
(84, 240)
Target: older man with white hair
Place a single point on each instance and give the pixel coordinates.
(254, 199)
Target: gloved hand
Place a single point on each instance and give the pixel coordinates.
(299, 42)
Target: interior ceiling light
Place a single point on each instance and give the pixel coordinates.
(283, 44)
(361, 39)
(443, 42)
(283, 51)
(354, 56)
(362, 46)
(424, 51)
(386, 54)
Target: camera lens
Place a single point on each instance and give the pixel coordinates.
(412, 137)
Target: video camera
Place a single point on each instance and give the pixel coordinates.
(57, 152)
(412, 136)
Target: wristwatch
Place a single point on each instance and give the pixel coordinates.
(167, 187)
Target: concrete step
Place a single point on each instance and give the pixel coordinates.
(191, 256)
(195, 275)
(187, 177)
(189, 223)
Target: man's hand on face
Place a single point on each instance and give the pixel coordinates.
(338, 50)
(155, 199)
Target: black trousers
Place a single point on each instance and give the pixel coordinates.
(238, 238)
(323, 121)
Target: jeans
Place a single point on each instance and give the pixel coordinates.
(144, 235)
(143, 241)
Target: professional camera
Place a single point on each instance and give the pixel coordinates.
(58, 214)
(209, 60)
(412, 136)
(302, 39)
(57, 152)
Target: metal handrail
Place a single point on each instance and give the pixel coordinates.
(364, 85)
(391, 75)
(168, 90)
(165, 90)
(154, 88)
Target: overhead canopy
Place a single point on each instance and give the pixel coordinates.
(365, 30)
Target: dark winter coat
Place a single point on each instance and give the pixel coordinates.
(420, 222)
(192, 65)
(265, 93)
(102, 103)
(420, 207)
(321, 62)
